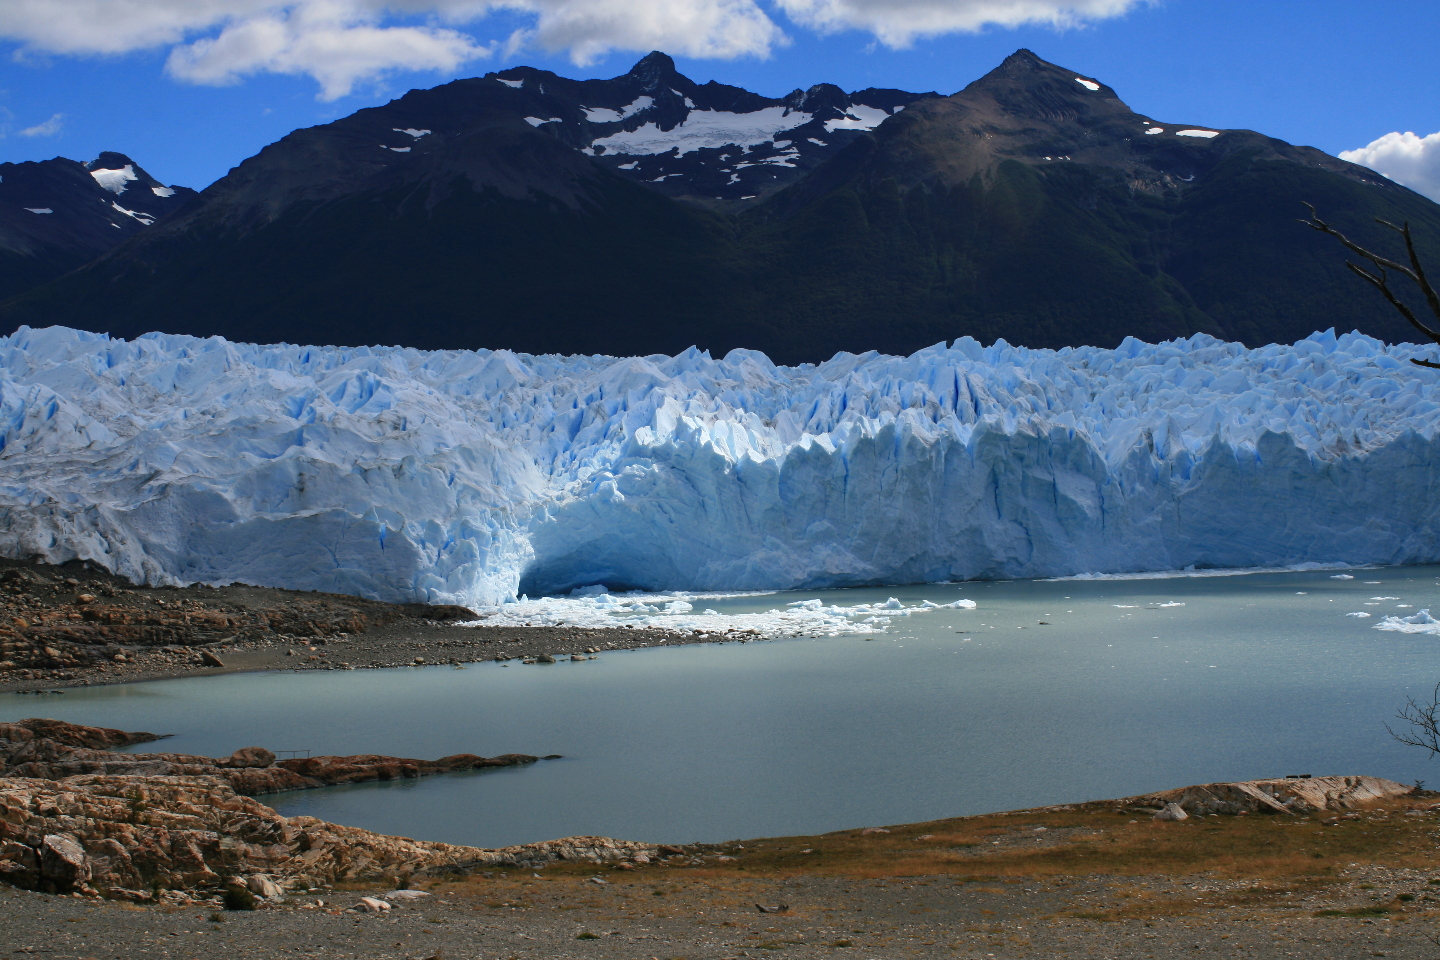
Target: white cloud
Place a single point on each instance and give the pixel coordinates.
(589, 29)
(1405, 158)
(47, 129)
(344, 42)
(338, 42)
(898, 23)
(331, 40)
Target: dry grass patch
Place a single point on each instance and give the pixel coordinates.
(1085, 840)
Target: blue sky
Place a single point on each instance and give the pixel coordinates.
(189, 88)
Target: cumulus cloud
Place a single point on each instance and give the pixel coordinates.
(331, 41)
(1405, 158)
(47, 129)
(589, 29)
(338, 42)
(344, 42)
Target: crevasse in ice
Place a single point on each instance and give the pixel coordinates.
(473, 477)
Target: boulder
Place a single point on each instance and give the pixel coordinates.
(19, 865)
(262, 886)
(372, 905)
(63, 863)
(1172, 811)
(248, 757)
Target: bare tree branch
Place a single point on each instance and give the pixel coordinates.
(1380, 278)
(1424, 721)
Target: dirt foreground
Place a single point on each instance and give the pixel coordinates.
(1089, 880)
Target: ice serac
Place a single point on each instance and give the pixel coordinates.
(473, 477)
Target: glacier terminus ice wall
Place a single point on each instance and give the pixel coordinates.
(473, 477)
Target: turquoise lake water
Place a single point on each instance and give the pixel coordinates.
(1132, 685)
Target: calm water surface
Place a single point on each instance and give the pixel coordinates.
(951, 712)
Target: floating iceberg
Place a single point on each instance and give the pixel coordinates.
(589, 607)
(475, 477)
(1421, 622)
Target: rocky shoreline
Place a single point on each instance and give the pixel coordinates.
(169, 853)
(76, 817)
(74, 624)
(55, 750)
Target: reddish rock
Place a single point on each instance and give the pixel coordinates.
(73, 734)
(364, 767)
(52, 749)
(193, 833)
(248, 757)
(63, 863)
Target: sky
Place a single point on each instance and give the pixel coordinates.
(189, 88)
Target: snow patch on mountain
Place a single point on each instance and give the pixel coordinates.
(858, 117)
(115, 180)
(705, 129)
(603, 115)
(475, 477)
(144, 218)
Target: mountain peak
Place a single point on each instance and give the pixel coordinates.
(1023, 56)
(1025, 66)
(654, 66)
(110, 160)
(1025, 85)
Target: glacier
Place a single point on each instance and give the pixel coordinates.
(481, 477)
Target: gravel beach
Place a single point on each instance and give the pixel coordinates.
(76, 625)
(669, 914)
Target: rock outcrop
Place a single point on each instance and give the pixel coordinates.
(54, 750)
(131, 837)
(75, 816)
(72, 734)
(1286, 795)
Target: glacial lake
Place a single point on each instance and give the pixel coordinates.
(1131, 685)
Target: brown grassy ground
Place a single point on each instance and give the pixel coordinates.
(1254, 855)
(1097, 881)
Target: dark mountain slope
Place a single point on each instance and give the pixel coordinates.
(1233, 245)
(519, 210)
(508, 235)
(56, 215)
(1031, 207)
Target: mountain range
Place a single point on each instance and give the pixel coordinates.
(60, 214)
(647, 213)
